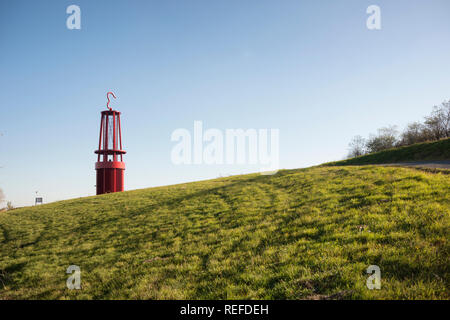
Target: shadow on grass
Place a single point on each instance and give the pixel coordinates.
(6, 274)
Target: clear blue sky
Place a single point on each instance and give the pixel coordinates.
(309, 68)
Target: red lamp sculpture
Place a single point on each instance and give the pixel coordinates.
(109, 166)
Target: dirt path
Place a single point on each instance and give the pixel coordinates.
(444, 164)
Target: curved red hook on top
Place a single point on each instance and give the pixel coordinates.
(107, 97)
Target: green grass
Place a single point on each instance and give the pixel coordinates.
(293, 235)
(437, 150)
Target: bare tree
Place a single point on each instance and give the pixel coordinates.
(357, 147)
(438, 123)
(2, 199)
(386, 139)
(9, 205)
(435, 127)
(446, 114)
(415, 132)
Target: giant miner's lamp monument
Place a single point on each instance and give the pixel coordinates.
(109, 166)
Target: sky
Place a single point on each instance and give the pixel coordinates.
(311, 69)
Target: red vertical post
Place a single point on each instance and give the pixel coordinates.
(100, 137)
(120, 136)
(114, 134)
(106, 132)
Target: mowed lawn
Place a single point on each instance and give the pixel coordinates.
(300, 234)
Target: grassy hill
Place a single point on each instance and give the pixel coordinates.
(437, 150)
(300, 234)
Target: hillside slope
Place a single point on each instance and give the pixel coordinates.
(437, 150)
(300, 234)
